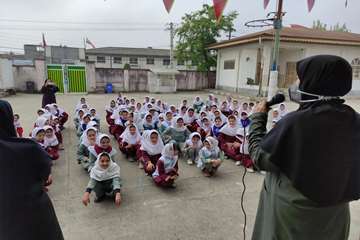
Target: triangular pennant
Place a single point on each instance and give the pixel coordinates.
(168, 5)
(219, 6)
(346, 3)
(311, 4)
(266, 3)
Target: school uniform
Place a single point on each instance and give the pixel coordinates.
(192, 153)
(104, 181)
(167, 166)
(94, 152)
(148, 152)
(128, 139)
(228, 135)
(82, 154)
(208, 154)
(19, 129)
(51, 145)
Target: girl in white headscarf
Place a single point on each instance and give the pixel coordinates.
(166, 123)
(177, 132)
(51, 143)
(148, 122)
(87, 139)
(78, 117)
(198, 103)
(190, 119)
(150, 151)
(41, 122)
(243, 156)
(129, 142)
(38, 135)
(192, 148)
(211, 157)
(104, 180)
(103, 144)
(167, 167)
(227, 137)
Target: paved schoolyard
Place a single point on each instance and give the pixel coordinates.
(199, 208)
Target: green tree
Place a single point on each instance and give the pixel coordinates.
(197, 31)
(324, 27)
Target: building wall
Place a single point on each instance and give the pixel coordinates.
(6, 76)
(142, 64)
(245, 66)
(34, 73)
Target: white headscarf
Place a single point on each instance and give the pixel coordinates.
(128, 137)
(228, 130)
(187, 118)
(84, 138)
(50, 141)
(175, 126)
(35, 131)
(190, 143)
(282, 113)
(198, 102)
(40, 122)
(148, 147)
(100, 174)
(244, 147)
(168, 158)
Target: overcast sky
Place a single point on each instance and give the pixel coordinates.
(140, 23)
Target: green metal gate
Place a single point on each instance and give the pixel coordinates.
(76, 79)
(56, 74)
(69, 79)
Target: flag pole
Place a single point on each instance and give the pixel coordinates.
(274, 73)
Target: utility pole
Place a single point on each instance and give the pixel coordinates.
(274, 73)
(171, 28)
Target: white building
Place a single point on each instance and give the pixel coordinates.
(6, 75)
(136, 58)
(244, 63)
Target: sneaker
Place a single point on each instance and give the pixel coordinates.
(263, 172)
(238, 163)
(190, 162)
(250, 170)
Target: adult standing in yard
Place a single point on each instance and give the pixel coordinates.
(48, 90)
(311, 157)
(26, 211)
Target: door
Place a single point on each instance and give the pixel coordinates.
(76, 76)
(56, 74)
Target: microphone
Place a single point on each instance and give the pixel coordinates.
(277, 99)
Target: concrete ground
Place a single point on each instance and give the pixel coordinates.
(199, 208)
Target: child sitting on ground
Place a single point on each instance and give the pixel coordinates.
(150, 151)
(17, 125)
(88, 139)
(104, 180)
(129, 142)
(51, 143)
(38, 135)
(211, 157)
(192, 148)
(167, 167)
(102, 145)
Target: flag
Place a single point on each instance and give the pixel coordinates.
(168, 5)
(346, 3)
(219, 6)
(311, 4)
(44, 44)
(90, 43)
(266, 3)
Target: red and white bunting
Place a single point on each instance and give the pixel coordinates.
(266, 3)
(311, 4)
(168, 4)
(219, 6)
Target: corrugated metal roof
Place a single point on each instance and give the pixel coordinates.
(129, 51)
(295, 34)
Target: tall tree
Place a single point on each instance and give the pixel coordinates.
(324, 27)
(197, 31)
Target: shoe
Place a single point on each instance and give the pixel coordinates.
(263, 172)
(190, 162)
(250, 170)
(238, 163)
(173, 185)
(141, 166)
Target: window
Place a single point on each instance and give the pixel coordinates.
(166, 61)
(100, 59)
(118, 60)
(180, 63)
(133, 60)
(356, 68)
(229, 64)
(150, 61)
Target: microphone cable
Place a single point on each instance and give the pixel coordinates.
(244, 185)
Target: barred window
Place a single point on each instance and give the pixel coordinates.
(356, 68)
(229, 64)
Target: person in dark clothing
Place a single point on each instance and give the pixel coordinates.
(311, 157)
(48, 90)
(26, 211)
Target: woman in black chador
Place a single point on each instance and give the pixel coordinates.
(312, 157)
(48, 90)
(26, 212)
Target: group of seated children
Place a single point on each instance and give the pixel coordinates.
(47, 131)
(96, 156)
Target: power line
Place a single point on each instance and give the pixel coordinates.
(126, 29)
